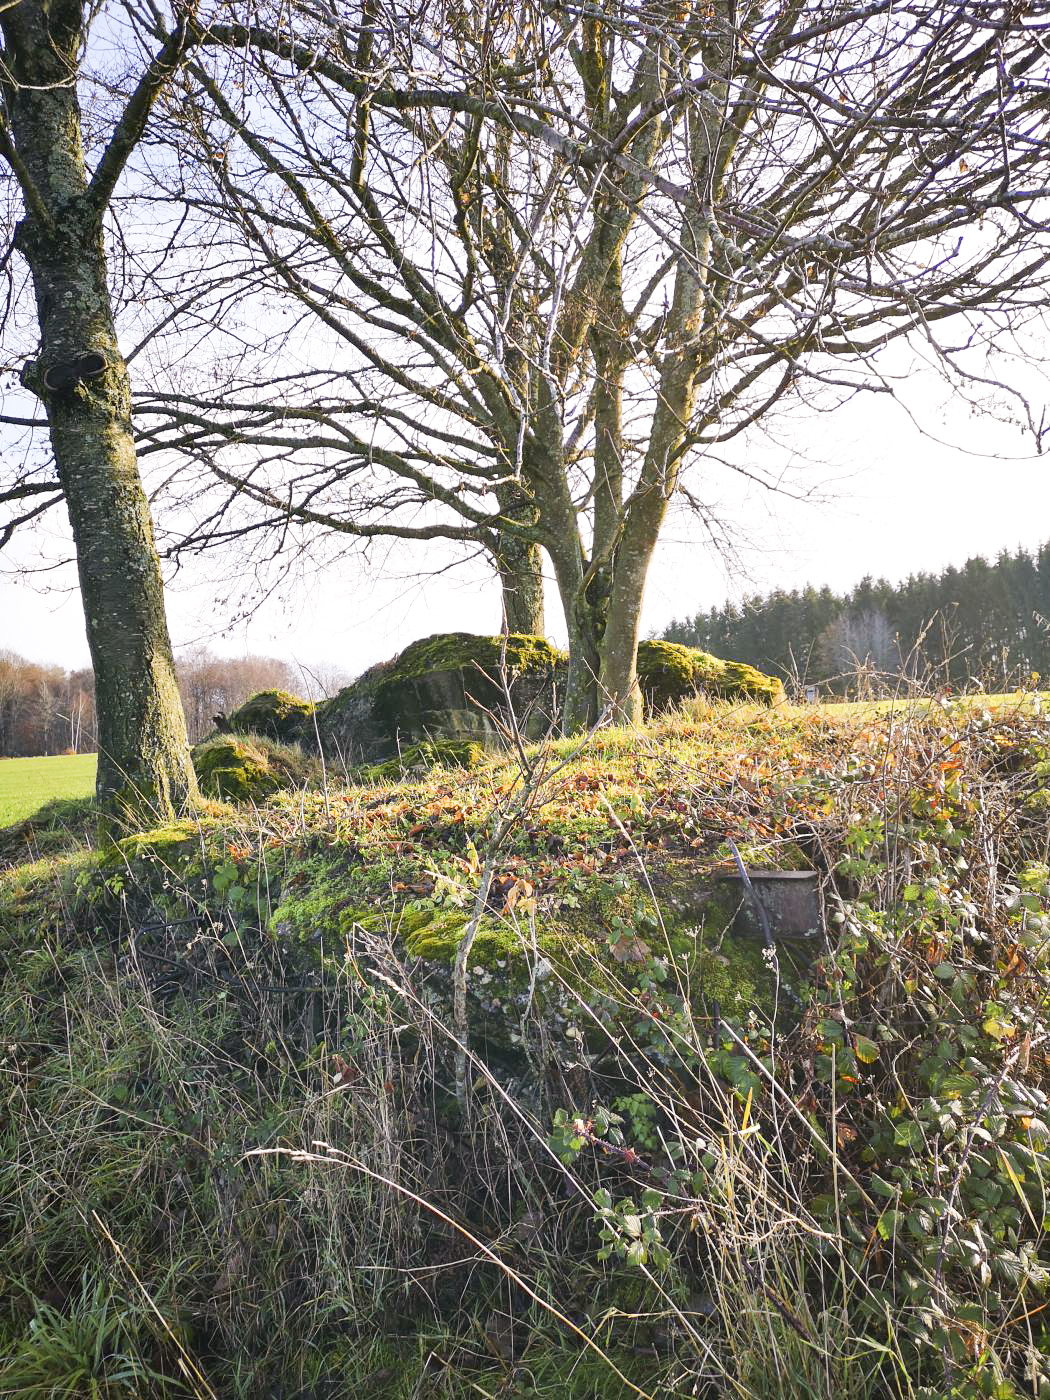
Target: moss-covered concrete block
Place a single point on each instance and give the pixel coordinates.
(275, 714)
(669, 673)
(443, 688)
(549, 985)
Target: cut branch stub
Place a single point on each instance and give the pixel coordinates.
(67, 374)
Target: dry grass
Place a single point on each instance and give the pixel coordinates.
(233, 1149)
(1025, 701)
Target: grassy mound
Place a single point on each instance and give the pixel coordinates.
(234, 768)
(236, 1163)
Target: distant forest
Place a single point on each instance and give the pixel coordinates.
(983, 624)
(47, 709)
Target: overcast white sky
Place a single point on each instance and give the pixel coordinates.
(896, 502)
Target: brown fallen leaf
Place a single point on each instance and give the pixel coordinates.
(343, 1073)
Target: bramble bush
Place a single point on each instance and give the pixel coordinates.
(235, 1163)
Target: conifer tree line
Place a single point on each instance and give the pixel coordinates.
(982, 624)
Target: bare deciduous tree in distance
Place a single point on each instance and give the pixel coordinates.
(80, 378)
(544, 264)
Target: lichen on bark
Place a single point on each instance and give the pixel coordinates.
(144, 764)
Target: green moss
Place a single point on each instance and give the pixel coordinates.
(454, 651)
(237, 769)
(439, 688)
(743, 680)
(233, 769)
(276, 714)
(332, 906)
(451, 651)
(168, 844)
(321, 895)
(669, 673)
(736, 976)
(665, 674)
(435, 934)
(431, 753)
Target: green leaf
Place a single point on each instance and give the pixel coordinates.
(920, 1223)
(887, 1224)
(865, 1050)
(909, 1134)
(831, 1030)
(955, 1084)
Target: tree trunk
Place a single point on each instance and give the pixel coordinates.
(144, 760)
(584, 621)
(520, 565)
(618, 676)
(582, 700)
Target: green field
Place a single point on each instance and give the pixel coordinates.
(869, 709)
(27, 783)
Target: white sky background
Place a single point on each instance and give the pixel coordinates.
(895, 502)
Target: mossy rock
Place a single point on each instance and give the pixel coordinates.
(457, 651)
(669, 673)
(442, 688)
(240, 769)
(447, 688)
(275, 714)
(420, 758)
(168, 845)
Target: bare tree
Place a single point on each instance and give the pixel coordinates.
(211, 685)
(861, 645)
(65, 178)
(44, 709)
(543, 266)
